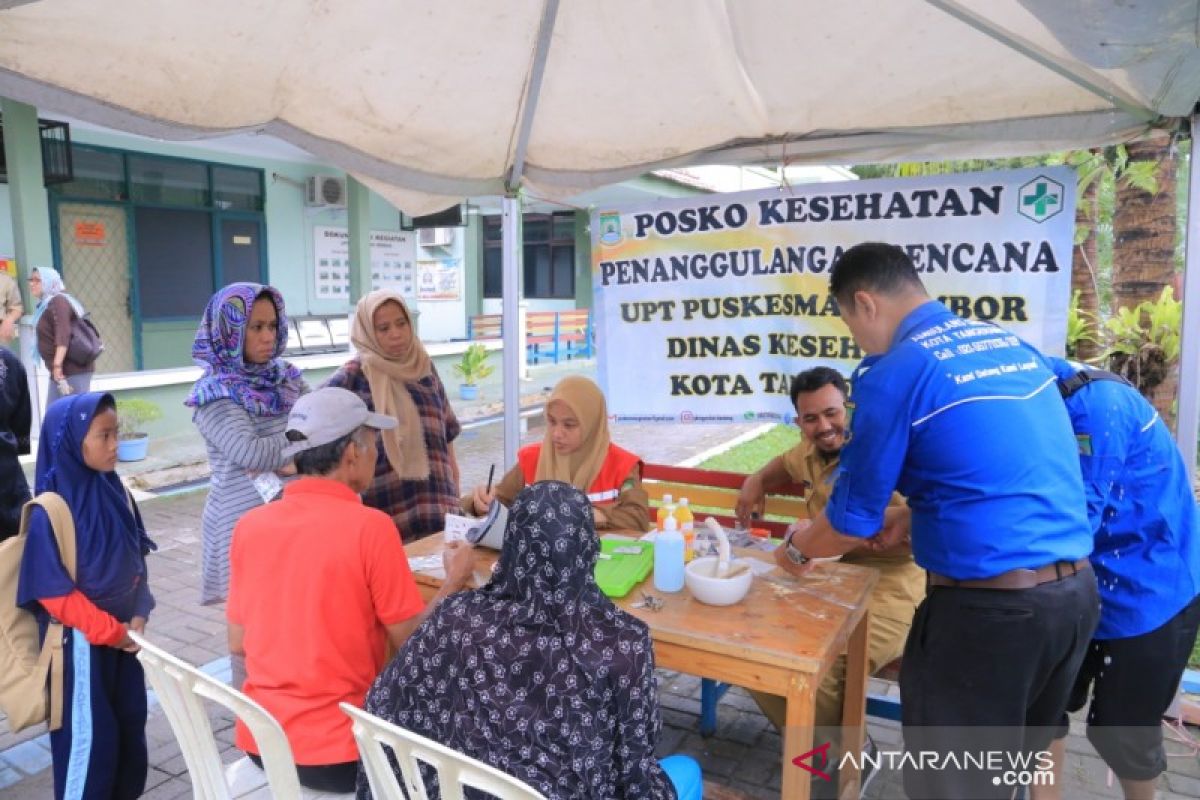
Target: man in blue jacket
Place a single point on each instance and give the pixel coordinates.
(965, 420)
(1147, 563)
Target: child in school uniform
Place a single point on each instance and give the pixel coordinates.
(100, 750)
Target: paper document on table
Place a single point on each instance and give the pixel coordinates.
(268, 486)
(428, 565)
(456, 527)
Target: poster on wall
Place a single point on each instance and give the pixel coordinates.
(393, 255)
(439, 280)
(725, 297)
(90, 233)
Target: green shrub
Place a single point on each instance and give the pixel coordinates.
(133, 413)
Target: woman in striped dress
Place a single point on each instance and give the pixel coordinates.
(241, 405)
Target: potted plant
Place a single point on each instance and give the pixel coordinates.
(133, 414)
(472, 367)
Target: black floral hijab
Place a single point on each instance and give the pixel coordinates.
(545, 576)
(538, 673)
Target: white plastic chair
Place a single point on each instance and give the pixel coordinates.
(180, 687)
(454, 770)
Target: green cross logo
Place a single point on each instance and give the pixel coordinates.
(1040, 199)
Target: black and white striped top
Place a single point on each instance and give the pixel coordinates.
(239, 445)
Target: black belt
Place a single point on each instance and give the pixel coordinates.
(1015, 578)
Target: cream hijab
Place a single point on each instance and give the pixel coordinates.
(388, 379)
(580, 468)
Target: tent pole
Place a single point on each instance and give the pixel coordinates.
(514, 337)
(533, 90)
(1187, 423)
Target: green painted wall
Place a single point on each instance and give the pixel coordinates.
(164, 342)
(583, 260)
(289, 226)
(473, 262)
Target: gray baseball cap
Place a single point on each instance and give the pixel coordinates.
(327, 415)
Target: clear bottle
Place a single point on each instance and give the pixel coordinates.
(668, 557)
(687, 527)
(667, 509)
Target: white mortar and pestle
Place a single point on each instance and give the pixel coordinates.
(717, 580)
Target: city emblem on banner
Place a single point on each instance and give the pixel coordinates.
(610, 228)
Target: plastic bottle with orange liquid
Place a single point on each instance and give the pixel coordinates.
(687, 526)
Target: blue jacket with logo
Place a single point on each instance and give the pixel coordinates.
(965, 420)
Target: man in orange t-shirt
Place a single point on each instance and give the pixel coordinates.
(319, 586)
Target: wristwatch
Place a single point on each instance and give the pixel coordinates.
(793, 553)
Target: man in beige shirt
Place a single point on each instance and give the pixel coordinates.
(819, 395)
(11, 307)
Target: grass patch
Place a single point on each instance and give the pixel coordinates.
(1194, 661)
(751, 456)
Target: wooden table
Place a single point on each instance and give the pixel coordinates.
(782, 639)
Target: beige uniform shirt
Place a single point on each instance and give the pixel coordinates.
(901, 584)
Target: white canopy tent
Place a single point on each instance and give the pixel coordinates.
(428, 102)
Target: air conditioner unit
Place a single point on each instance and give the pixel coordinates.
(436, 237)
(325, 191)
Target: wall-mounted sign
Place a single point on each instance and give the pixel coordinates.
(439, 280)
(392, 262)
(90, 233)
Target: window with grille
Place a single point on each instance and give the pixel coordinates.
(549, 252)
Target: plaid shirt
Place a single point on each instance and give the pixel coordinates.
(418, 508)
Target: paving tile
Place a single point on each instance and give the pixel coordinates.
(9, 777)
(754, 791)
(155, 776)
(29, 757)
(1183, 785)
(170, 790)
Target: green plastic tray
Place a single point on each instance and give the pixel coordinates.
(616, 576)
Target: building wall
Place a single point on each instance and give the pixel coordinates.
(8, 247)
(289, 250)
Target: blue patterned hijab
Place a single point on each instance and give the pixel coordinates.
(264, 390)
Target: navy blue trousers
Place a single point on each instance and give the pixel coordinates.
(100, 751)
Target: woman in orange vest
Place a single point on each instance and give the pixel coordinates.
(577, 450)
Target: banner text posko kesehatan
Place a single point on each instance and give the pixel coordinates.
(706, 306)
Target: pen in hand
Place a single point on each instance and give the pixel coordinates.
(491, 474)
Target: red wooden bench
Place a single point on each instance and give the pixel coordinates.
(719, 490)
(548, 334)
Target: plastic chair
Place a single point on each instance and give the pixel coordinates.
(454, 770)
(180, 688)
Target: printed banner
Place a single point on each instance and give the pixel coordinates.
(392, 257)
(724, 297)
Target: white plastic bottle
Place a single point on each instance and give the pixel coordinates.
(668, 557)
(667, 509)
